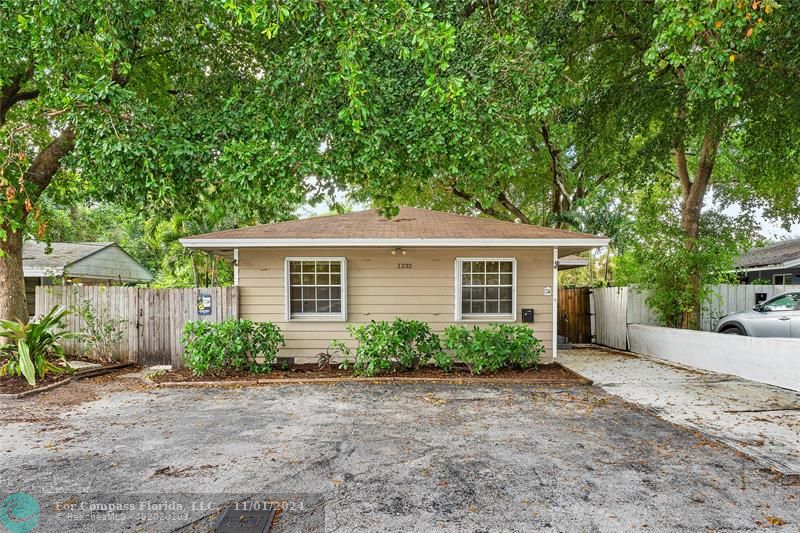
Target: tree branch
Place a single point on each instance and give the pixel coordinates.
(12, 93)
(41, 171)
(513, 209)
(681, 164)
(475, 4)
(558, 183)
(708, 153)
(486, 210)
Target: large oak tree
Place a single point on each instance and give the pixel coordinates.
(169, 106)
(518, 110)
(707, 95)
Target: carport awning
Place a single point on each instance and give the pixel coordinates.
(572, 261)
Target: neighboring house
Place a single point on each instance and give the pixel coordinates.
(312, 277)
(777, 264)
(84, 263)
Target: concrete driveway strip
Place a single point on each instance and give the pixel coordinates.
(759, 420)
(359, 457)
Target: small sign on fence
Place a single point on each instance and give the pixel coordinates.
(151, 320)
(203, 304)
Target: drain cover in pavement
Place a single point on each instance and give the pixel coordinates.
(239, 521)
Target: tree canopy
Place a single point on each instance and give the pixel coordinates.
(641, 120)
(157, 106)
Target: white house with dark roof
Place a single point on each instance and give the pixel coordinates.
(315, 276)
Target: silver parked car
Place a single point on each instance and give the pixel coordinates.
(777, 317)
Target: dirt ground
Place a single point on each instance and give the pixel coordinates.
(108, 455)
(547, 372)
(759, 420)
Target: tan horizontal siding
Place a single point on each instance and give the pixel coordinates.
(423, 305)
(341, 334)
(378, 290)
(432, 319)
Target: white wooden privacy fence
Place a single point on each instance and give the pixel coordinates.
(616, 307)
(611, 316)
(151, 320)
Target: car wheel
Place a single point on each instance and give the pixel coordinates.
(732, 331)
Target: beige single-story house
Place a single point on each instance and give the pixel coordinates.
(315, 276)
(78, 263)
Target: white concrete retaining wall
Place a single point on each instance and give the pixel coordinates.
(771, 361)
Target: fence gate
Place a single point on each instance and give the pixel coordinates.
(574, 314)
(150, 320)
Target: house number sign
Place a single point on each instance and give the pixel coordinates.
(403, 266)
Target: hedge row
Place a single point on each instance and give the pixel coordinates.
(382, 347)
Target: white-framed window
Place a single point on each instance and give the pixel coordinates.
(486, 288)
(316, 288)
(782, 279)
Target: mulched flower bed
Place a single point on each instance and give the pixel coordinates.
(16, 385)
(548, 372)
(13, 385)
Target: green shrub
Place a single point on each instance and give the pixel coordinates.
(231, 345)
(491, 349)
(100, 335)
(30, 347)
(389, 346)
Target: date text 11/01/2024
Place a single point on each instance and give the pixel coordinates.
(202, 505)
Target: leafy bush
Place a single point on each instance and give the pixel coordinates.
(231, 345)
(493, 348)
(678, 279)
(30, 348)
(325, 359)
(388, 346)
(100, 333)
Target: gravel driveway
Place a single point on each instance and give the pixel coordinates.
(761, 421)
(411, 457)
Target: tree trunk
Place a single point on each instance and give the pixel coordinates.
(195, 273)
(690, 223)
(37, 178)
(13, 304)
(692, 198)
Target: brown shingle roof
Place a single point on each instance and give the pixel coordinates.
(410, 223)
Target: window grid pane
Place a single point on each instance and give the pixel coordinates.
(315, 287)
(487, 287)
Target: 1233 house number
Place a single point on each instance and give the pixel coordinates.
(403, 266)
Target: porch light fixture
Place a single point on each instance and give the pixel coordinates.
(401, 251)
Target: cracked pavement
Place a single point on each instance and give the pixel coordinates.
(382, 457)
(762, 421)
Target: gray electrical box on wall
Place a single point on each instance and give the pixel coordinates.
(527, 315)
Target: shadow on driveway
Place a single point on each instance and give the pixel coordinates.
(759, 420)
(410, 457)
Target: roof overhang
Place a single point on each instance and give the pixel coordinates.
(568, 263)
(218, 244)
(776, 266)
(42, 272)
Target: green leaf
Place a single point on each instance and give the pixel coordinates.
(26, 363)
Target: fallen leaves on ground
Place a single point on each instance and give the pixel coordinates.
(184, 471)
(774, 520)
(430, 398)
